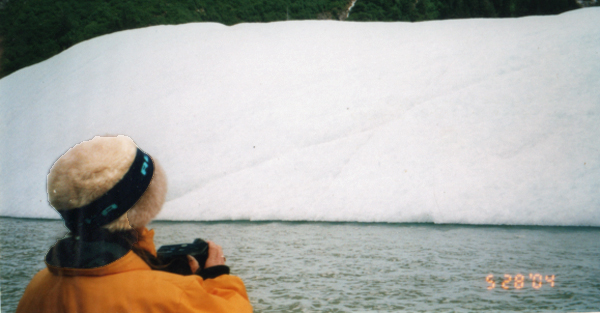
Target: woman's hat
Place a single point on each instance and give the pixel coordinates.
(97, 181)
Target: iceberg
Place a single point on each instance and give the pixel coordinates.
(478, 121)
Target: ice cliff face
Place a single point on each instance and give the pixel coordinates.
(464, 121)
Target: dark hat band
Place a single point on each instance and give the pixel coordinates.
(115, 202)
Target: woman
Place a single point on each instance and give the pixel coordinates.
(107, 190)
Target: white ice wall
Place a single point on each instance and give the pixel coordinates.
(483, 121)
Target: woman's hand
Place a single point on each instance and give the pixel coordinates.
(194, 266)
(215, 257)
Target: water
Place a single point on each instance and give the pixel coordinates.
(361, 267)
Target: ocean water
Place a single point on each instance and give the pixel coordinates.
(368, 267)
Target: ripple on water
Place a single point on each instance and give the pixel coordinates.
(350, 267)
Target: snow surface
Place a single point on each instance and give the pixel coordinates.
(482, 121)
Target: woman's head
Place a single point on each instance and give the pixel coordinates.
(90, 169)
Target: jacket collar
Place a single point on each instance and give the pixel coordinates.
(74, 252)
(94, 255)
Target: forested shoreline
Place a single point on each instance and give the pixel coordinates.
(34, 30)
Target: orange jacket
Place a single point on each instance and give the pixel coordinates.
(129, 285)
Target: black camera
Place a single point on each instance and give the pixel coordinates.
(174, 257)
